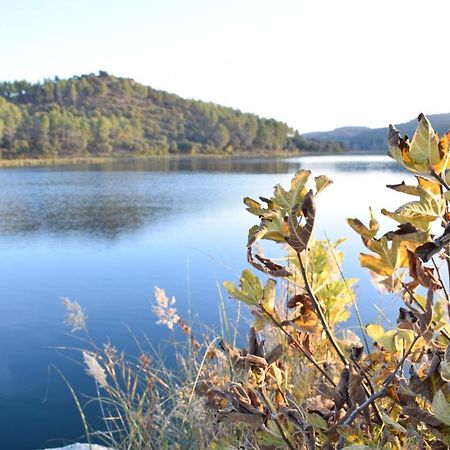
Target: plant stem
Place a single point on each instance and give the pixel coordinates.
(414, 299)
(308, 355)
(355, 305)
(440, 180)
(277, 422)
(319, 312)
(379, 393)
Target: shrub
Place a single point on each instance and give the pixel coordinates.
(302, 382)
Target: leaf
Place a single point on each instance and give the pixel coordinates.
(299, 236)
(253, 206)
(355, 388)
(268, 297)
(250, 291)
(375, 264)
(425, 143)
(421, 213)
(365, 232)
(269, 440)
(421, 414)
(322, 182)
(288, 199)
(374, 331)
(305, 318)
(388, 420)
(389, 341)
(425, 152)
(407, 336)
(420, 274)
(426, 251)
(427, 316)
(441, 407)
(358, 447)
(432, 186)
(317, 421)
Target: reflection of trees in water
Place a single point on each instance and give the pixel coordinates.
(233, 165)
(86, 200)
(107, 218)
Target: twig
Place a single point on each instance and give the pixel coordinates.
(326, 327)
(442, 282)
(308, 355)
(414, 299)
(319, 312)
(379, 393)
(276, 420)
(358, 315)
(440, 180)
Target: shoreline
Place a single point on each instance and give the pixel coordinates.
(37, 162)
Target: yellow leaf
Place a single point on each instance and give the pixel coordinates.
(375, 264)
(425, 143)
(322, 182)
(374, 331)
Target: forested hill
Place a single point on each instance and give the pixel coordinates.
(105, 115)
(375, 139)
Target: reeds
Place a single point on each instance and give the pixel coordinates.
(146, 403)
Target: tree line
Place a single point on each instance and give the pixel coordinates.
(101, 114)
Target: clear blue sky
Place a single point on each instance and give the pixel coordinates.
(315, 64)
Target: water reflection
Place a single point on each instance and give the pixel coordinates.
(113, 199)
(231, 165)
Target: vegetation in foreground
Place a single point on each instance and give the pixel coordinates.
(91, 116)
(304, 381)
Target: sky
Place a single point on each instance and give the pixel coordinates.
(315, 64)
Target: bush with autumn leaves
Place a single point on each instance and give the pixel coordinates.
(302, 382)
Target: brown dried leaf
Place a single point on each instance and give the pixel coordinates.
(341, 390)
(355, 388)
(299, 236)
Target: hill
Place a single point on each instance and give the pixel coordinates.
(105, 115)
(375, 139)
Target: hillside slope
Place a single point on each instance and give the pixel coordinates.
(105, 115)
(375, 139)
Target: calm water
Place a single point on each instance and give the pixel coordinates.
(106, 235)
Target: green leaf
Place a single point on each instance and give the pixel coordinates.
(421, 214)
(268, 298)
(250, 291)
(253, 206)
(317, 421)
(289, 199)
(322, 182)
(441, 407)
(425, 143)
(389, 341)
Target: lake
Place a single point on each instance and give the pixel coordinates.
(105, 235)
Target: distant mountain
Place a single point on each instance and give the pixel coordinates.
(92, 115)
(375, 139)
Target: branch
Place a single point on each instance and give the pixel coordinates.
(379, 393)
(299, 346)
(277, 422)
(319, 312)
